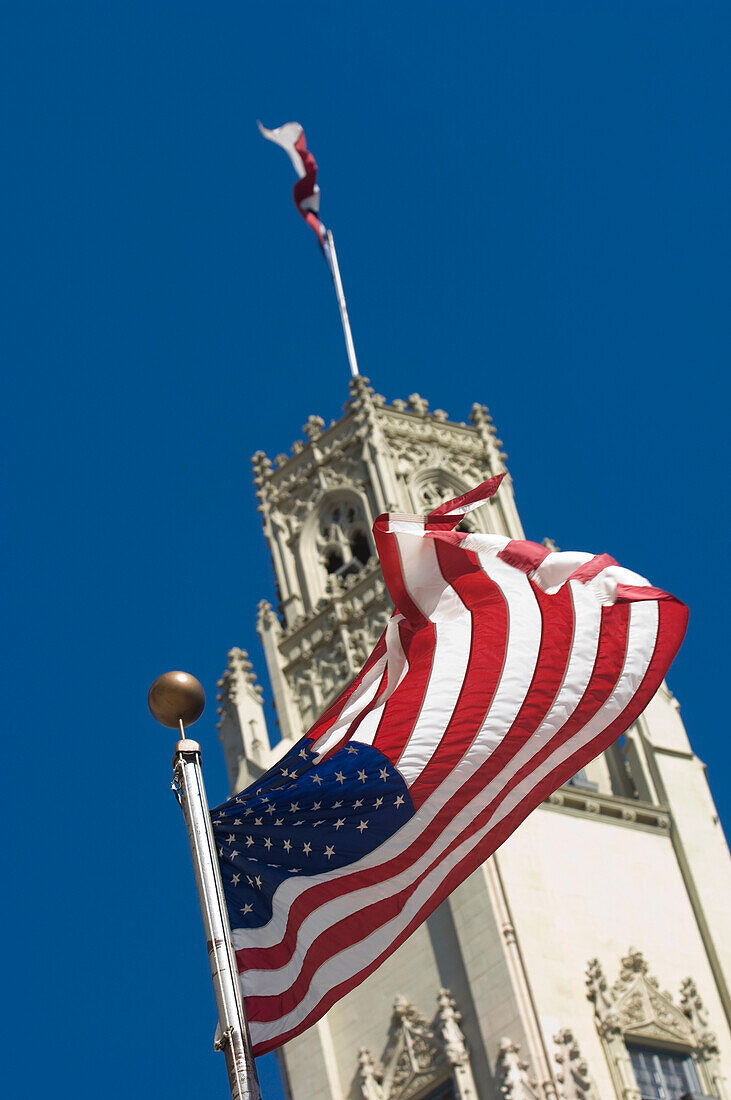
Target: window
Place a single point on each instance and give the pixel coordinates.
(342, 539)
(663, 1074)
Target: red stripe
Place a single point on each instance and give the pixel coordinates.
(592, 568)
(360, 717)
(387, 548)
(467, 501)
(331, 715)
(402, 709)
(489, 626)
(525, 556)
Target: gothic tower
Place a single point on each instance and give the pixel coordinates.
(544, 975)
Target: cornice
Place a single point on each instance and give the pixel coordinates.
(609, 808)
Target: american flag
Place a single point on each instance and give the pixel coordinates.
(306, 191)
(504, 669)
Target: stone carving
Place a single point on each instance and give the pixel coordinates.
(262, 467)
(573, 1078)
(635, 1004)
(512, 1073)
(419, 1054)
(418, 405)
(636, 1008)
(708, 1052)
(313, 427)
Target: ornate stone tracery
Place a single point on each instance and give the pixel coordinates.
(572, 1076)
(635, 1008)
(512, 1074)
(419, 1055)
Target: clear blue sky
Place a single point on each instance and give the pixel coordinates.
(531, 207)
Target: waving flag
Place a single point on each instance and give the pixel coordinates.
(306, 192)
(504, 669)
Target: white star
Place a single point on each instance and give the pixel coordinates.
(294, 807)
(258, 821)
(271, 808)
(238, 821)
(363, 825)
(399, 800)
(340, 777)
(362, 776)
(287, 846)
(240, 801)
(307, 848)
(233, 854)
(318, 823)
(378, 802)
(316, 805)
(279, 821)
(337, 805)
(316, 779)
(298, 823)
(268, 843)
(340, 821)
(235, 879)
(264, 797)
(250, 881)
(329, 851)
(247, 908)
(351, 748)
(285, 771)
(230, 838)
(357, 805)
(383, 774)
(293, 775)
(257, 880)
(249, 841)
(248, 812)
(220, 852)
(303, 753)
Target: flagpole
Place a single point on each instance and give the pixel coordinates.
(177, 699)
(338, 284)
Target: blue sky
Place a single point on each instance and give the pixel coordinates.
(530, 204)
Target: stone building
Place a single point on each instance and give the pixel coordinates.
(591, 957)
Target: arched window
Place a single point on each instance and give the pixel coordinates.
(343, 543)
(434, 487)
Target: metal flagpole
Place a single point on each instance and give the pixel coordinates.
(337, 282)
(176, 699)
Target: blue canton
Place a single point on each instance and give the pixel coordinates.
(303, 818)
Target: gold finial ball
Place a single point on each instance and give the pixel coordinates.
(176, 697)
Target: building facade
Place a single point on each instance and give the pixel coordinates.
(590, 958)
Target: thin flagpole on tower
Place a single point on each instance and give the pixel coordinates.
(176, 700)
(306, 195)
(339, 294)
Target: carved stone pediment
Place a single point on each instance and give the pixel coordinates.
(643, 1010)
(419, 1054)
(635, 1008)
(413, 1056)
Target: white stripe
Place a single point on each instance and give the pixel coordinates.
(641, 641)
(358, 701)
(438, 601)
(398, 667)
(604, 584)
(285, 136)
